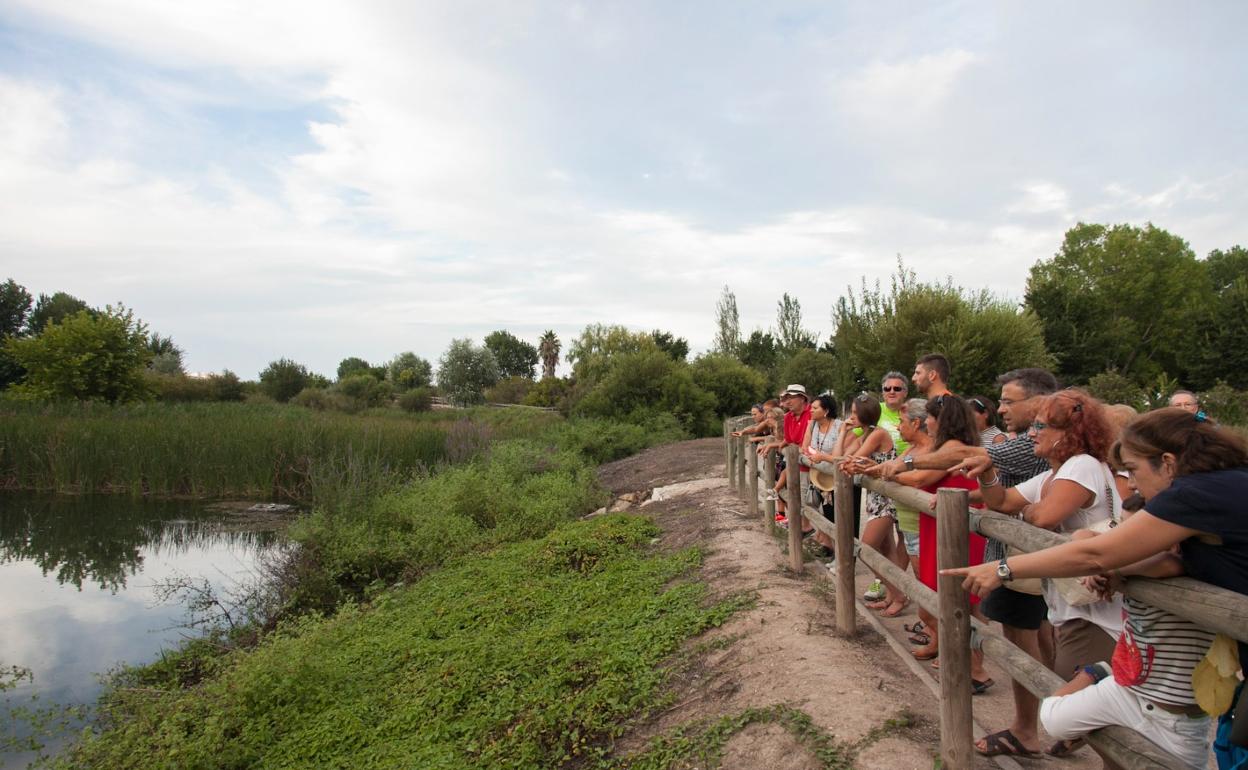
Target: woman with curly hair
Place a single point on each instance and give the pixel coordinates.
(1072, 434)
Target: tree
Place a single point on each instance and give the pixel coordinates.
(790, 336)
(982, 335)
(282, 379)
(759, 351)
(734, 385)
(548, 348)
(408, 370)
(1217, 348)
(15, 304)
(353, 365)
(166, 356)
(465, 371)
(1118, 297)
(53, 309)
(676, 347)
(85, 357)
(727, 324)
(590, 354)
(515, 357)
(815, 371)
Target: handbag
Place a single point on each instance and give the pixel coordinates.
(1073, 590)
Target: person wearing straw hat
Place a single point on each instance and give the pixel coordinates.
(796, 404)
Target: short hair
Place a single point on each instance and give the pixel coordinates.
(1033, 381)
(953, 419)
(916, 409)
(868, 408)
(895, 375)
(1082, 420)
(936, 363)
(1178, 393)
(770, 403)
(1197, 445)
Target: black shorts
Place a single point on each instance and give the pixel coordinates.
(1014, 608)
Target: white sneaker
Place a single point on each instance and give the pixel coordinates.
(830, 566)
(875, 592)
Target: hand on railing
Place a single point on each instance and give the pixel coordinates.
(981, 580)
(885, 470)
(852, 465)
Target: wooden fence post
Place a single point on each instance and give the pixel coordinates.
(741, 483)
(769, 478)
(952, 548)
(752, 456)
(793, 506)
(843, 502)
(728, 450)
(732, 462)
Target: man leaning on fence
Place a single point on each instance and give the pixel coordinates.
(796, 419)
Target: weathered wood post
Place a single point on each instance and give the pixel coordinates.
(769, 478)
(741, 447)
(793, 506)
(953, 550)
(732, 461)
(728, 450)
(843, 502)
(752, 456)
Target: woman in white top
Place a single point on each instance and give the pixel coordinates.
(1073, 435)
(821, 437)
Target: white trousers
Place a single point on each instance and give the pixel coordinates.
(1108, 703)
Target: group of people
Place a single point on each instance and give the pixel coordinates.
(1157, 495)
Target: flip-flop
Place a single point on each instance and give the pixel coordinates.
(916, 627)
(920, 638)
(1003, 742)
(980, 686)
(1064, 748)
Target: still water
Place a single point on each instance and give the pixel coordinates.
(80, 580)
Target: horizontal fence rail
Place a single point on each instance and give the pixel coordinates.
(1211, 607)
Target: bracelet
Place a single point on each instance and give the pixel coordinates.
(996, 480)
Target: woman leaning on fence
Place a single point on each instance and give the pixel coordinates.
(1194, 480)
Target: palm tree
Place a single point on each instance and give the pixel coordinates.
(548, 348)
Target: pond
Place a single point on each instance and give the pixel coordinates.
(81, 579)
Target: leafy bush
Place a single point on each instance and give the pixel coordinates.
(509, 391)
(550, 392)
(1113, 388)
(416, 400)
(1225, 404)
(178, 388)
(639, 386)
(283, 379)
(602, 441)
(735, 386)
(365, 390)
(465, 371)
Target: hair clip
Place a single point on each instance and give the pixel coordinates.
(1078, 407)
(1201, 417)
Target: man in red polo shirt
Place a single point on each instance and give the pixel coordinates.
(796, 405)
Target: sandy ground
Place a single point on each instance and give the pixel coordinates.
(786, 649)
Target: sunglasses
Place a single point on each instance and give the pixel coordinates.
(893, 389)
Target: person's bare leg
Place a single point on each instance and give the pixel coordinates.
(1047, 641)
(928, 650)
(1026, 705)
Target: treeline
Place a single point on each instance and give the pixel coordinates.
(1130, 312)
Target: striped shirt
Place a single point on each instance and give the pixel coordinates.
(1157, 653)
(1015, 460)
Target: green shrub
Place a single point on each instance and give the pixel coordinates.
(640, 386)
(550, 392)
(365, 390)
(1113, 388)
(416, 400)
(282, 380)
(735, 386)
(178, 388)
(1225, 404)
(602, 441)
(508, 391)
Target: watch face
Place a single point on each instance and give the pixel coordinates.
(1003, 571)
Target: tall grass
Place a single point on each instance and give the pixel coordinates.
(220, 449)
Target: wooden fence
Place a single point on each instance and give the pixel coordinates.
(1211, 607)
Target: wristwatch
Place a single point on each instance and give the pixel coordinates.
(908, 461)
(1003, 571)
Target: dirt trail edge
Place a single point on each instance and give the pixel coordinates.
(785, 650)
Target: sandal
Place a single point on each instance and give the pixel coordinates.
(1064, 748)
(916, 627)
(920, 638)
(980, 686)
(1003, 742)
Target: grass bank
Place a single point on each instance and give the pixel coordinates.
(533, 655)
(230, 450)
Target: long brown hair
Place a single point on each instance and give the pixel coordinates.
(953, 420)
(1197, 445)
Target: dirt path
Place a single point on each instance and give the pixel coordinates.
(785, 650)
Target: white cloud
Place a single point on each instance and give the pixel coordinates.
(896, 92)
(1041, 198)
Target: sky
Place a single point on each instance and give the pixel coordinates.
(269, 179)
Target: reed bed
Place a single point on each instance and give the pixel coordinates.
(218, 450)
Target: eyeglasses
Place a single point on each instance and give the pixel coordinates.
(1038, 426)
(893, 389)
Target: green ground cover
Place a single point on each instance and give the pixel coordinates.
(531, 656)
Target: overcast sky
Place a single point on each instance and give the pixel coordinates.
(269, 179)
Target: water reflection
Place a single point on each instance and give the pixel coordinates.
(104, 540)
(78, 585)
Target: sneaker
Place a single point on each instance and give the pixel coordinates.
(830, 566)
(875, 593)
(771, 495)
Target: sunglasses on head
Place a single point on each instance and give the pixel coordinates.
(979, 405)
